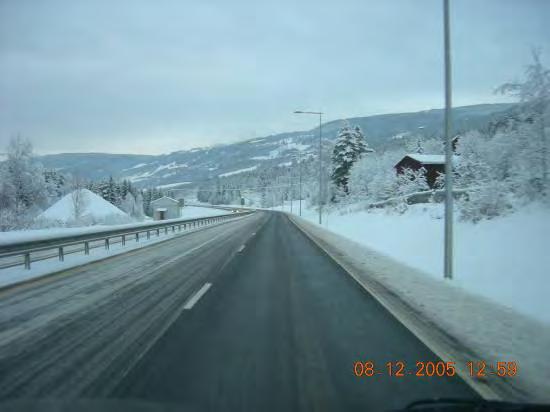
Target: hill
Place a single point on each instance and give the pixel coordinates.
(190, 167)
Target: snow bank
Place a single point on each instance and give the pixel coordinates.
(93, 209)
(188, 212)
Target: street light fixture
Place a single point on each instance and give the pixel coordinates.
(320, 159)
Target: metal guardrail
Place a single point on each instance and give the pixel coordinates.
(118, 235)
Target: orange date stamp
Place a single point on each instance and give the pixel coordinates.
(475, 369)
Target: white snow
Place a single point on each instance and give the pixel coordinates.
(399, 136)
(169, 185)
(430, 159)
(236, 172)
(145, 175)
(94, 208)
(139, 165)
(41, 268)
(505, 259)
(187, 212)
(190, 212)
(273, 154)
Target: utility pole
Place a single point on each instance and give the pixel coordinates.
(291, 187)
(300, 169)
(321, 198)
(448, 258)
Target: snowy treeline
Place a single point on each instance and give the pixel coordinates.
(25, 187)
(269, 186)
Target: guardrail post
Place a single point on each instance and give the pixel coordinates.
(61, 255)
(165, 230)
(123, 240)
(148, 235)
(158, 231)
(86, 248)
(179, 228)
(106, 243)
(137, 236)
(27, 260)
(173, 228)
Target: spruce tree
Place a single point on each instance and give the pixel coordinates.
(343, 156)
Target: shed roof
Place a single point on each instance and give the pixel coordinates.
(164, 198)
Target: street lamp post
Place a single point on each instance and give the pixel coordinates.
(291, 189)
(320, 160)
(300, 171)
(448, 259)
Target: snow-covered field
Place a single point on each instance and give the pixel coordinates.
(505, 259)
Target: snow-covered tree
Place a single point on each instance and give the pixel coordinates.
(411, 181)
(350, 145)
(534, 94)
(78, 197)
(373, 177)
(22, 185)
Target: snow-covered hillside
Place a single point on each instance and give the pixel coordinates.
(200, 164)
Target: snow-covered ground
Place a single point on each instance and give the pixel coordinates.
(236, 172)
(505, 259)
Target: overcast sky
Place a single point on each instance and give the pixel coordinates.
(140, 76)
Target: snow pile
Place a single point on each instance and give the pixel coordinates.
(82, 208)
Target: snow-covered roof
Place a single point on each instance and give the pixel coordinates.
(161, 209)
(427, 159)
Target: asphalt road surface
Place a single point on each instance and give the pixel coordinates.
(247, 315)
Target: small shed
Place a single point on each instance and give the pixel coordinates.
(165, 208)
(434, 164)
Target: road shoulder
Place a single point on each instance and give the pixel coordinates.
(456, 325)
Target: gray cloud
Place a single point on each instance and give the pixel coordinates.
(149, 77)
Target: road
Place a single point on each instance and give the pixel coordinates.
(247, 315)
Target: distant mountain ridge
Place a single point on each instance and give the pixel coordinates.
(189, 167)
